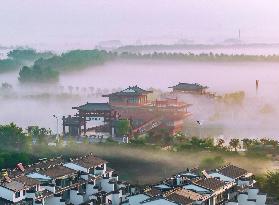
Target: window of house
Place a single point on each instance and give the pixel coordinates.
(17, 194)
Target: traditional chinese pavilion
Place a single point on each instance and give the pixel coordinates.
(99, 115)
(193, 88)
(131, 96)
(132, 104)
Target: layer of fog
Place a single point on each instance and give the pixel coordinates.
(35, 104)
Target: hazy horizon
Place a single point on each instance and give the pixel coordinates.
(84, 23)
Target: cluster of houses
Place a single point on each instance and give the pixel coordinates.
(88, 180)
(83, 180)
(228, 185)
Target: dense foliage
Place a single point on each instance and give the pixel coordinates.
(19, 57)
(75, 59)
(269, 183)
(11, 158)
(47, 69)
(122, 127)
(37, 74)
(13, 137)
(8, 64)
(203, 57)
(28, 55)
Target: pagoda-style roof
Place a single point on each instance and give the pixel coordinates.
(130, 91)
(189, 87)
(90, 107)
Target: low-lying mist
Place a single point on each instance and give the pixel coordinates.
(34, 104)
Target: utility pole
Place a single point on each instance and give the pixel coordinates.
(56, 127)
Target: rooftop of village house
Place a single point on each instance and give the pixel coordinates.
(40, 165)
(232, 171)
(88, 161)
(181, 195)
(57, 172)
(212, 184)
(27, 181)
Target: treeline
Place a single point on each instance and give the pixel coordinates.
(38, 74)
(19, 57)
(190, 46)
(48, 69)
(75, 59)
(203, 57)
(12, 137)
(28, 55)
(17, 146)
(11, 158)
(8, 65)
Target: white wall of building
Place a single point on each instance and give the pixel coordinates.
(10, 195)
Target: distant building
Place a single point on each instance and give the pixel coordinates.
(130, 104)
(193, 88)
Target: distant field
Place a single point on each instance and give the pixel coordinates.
(142, 165)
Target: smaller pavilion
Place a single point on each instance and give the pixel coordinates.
(193, 88)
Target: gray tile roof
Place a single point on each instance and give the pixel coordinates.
(232, 171)
(189, 87)
(94, 107)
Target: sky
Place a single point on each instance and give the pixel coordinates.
(86, 22)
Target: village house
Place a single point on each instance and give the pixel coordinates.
(228, 185)
(83, 180)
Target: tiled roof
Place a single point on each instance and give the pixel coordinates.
(186, 193)
(130, 91)
(89, 161)
(27, 181)
(183, 196)
(189, 86)
(210, 183)
(94, 107)
(153, 192)
(57, 172)
(43, 164)
(180, 199)
(232, 171)
(13, 185)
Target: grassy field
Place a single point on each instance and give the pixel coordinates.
(143, 165)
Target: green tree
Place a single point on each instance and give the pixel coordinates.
(12, 136)
(40, 134)
(235, 143)
(122, 127)
(269, 183)
(247, 143)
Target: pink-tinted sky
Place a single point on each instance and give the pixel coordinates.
(90, 21)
